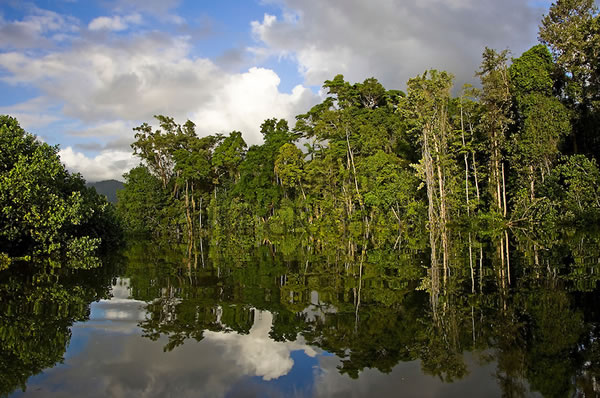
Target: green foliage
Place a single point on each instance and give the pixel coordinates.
(533, 72)
(377, 162)
(228, 156)
(44, 209)
(289, 165)
(574, 189)
(141, 201)
(572, 32)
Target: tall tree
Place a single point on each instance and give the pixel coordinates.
(542, 121)
(427, 105)
(572, 31)
(496, 100)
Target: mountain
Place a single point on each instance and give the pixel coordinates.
(107, 188)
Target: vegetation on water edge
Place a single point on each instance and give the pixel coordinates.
(45, 210)
(376, 164)
(533, 325)
(521, 150)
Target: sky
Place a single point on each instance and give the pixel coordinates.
(81, 74)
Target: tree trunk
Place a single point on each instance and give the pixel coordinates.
(504, 190)
(531, 183)
(354, 170)
(462, 134)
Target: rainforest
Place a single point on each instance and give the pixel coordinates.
(437, 240)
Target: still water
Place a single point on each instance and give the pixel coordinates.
(279, 320)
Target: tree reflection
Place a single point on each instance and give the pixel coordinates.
(525, 304)
(37, 309)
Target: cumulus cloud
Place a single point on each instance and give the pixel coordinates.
(116, 23)
(394, 40)
(245, 100)
(115, 128)
(109, 164)
(32, 31)
(153, 74)
(119, 79)
(111, 85)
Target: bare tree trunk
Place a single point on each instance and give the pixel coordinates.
(439, 145)
(501, 270)
(507, 256)
(462, 134)
(503, 190)
(480, 269)
(475, 175)
(474, 163)
(496, 172)
(531, 183)
(429, 180)
(187, 213)
(471, 265)
(354, 170)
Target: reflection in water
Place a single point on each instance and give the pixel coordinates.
(256, 353)
(36, 310)
(513, 315)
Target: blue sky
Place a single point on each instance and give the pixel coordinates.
(81, 74)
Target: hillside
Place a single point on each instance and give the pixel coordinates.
(108, 188)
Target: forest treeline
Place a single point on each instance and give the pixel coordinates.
(45, 211)
(368, 161)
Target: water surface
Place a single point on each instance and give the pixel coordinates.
(266, 321)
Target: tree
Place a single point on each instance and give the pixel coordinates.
(496, 100)
(258, 183)
(141, 201)
(155, 148)
(572, 31)
(45, 209)
(542, 121)
(289, 166)
(427, 105)
(574, 188)
(228, 156)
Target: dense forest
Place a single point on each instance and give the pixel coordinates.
(520, 150)
(48, 212)
(367, 163)
(449, 227)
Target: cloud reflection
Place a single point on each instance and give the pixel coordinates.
(115, 361)
(256, 353)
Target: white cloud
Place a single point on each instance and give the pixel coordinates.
(31, 114)
(112, 85)
(115, 128)
(160, 9)
(394, 40)
(116, 23)
(109, 164)
(245, 100)
(154, 74)
(122, 79)
(30, 32)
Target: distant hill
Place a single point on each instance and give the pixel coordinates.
(107, 188)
